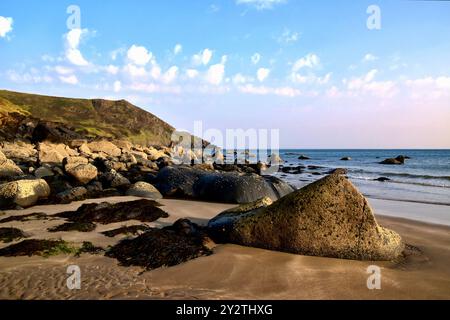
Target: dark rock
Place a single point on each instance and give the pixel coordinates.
(106, 213)
(74, 194)
(382, 179)
(187, 228)
(303, 157)
(398, 160)
(54, 132)
(326, 218)
(346, 159)
(230, 187)
(113, 179)
(312, 167)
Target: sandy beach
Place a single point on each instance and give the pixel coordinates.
(232, 272)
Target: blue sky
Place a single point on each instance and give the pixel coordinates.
(311, 69)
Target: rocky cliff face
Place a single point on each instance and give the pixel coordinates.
(59, 119)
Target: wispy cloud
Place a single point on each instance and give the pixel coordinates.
(261, 4)
(288, 37)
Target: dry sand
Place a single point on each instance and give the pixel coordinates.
(232, 272)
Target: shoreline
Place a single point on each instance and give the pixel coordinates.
(408, 210)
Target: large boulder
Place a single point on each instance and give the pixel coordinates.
(327, 218)
(105, 147)
(83, 173)
(229, 187)
(54, 153)
(24, 193)
(71, 162)
(144, 190)
(19, 151)
(8, 168)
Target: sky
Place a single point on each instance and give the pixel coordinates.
(326, 74)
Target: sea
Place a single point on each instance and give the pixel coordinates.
(424, 177)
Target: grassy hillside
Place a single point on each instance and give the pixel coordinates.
(105, 118)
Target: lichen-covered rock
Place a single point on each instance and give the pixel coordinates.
(106, 147)
(74, 194)
(326, 218)
(8, 168)
(19, 151)
(144, 190)
(71, 162)
(24, 193)
(83, 173)
(54, 153)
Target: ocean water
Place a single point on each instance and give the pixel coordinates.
(423, 178)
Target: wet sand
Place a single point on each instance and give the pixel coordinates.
(232, 272)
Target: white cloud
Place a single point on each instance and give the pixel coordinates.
(5, 26)
(262, 74)
(263, 90)
(69, 79)
(116, 52)
(139, 55)
(213, 8)
(366, 84)
(73, 54)
(28, 77)
(203, 57)
(170, 75)
(240, 79)
(155, 88)
(310, 78)
(261, 4)
(215, 74)
(369, 57)
(256, 58)
(111, 69)
(117, 86)
(177, 49)
(191, 73)
(63, 70)
(429, 88)
(155, 72)
(288, 37)
(311, 60)
(134, 71)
